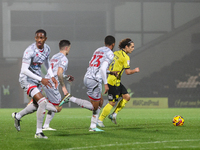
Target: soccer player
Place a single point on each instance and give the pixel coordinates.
(59, 64)
(30, 77)
(120, 63)
(96, 73)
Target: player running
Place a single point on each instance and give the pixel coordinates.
(96, 73)
(120, 63)
(59, 64)
(30, 77)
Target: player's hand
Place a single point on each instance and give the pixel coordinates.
(115, 73)
(137, 69)
(46, 82)
(70, 78)
(55, 82)
(106, 88)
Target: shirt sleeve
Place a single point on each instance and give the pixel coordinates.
(127, 62)
(26, 61)
(64, 64)
(103, 71)
(27, 72)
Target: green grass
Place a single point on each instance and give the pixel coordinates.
(136, 129)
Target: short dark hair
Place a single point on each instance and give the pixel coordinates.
(125, 42)
(64, 43)
(41, 31)
(109, 40)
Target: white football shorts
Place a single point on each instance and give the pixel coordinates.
(94, 88)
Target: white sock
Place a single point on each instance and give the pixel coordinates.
(114, 115)
(27, 110)
(81, 102)
(51, 107)
(95, 117)
(48, 119)
(41, 113)
(18, 116)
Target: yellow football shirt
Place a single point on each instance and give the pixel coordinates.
(120, 62)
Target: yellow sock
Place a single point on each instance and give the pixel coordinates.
(120, 105)
(105, 112)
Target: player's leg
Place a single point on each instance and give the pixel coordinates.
(48, 119)
(95, 114)
(42, 102)
(121, 104)
(53, 97)
(30, 108)
(81, 102)
(112, 98)
(105, 112)
(94, 90)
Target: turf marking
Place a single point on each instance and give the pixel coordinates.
(139, 143)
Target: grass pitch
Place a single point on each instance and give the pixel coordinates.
(137, 129)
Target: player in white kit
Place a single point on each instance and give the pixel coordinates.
(30, 77)
(59, 64)
(96, 73)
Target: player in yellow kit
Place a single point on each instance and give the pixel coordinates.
(121, 63)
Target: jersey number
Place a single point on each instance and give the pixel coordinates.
(112, 65)
(95, 61)
(52, 64)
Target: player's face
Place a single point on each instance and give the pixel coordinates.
(68, 49)
(130, 48)
(113, 45)
(40, 40)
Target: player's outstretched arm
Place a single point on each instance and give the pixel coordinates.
(129, 71)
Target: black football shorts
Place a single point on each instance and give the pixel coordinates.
(115, 92)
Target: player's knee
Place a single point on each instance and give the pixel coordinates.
(126, 97)
(112, 103)
(59, 108)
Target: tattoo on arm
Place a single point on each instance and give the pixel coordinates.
(60, 78)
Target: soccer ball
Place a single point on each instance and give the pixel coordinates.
(178, 121)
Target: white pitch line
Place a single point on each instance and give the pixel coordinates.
(137, 143)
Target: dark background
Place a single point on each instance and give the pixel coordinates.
(166, 34)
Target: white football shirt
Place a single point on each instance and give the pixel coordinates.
(58, 60)
(37, 57)
(99, 56)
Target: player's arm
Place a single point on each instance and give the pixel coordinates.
(24, 69)
(129, 71)
(115, 73)
(103, 71)
(61, 80)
